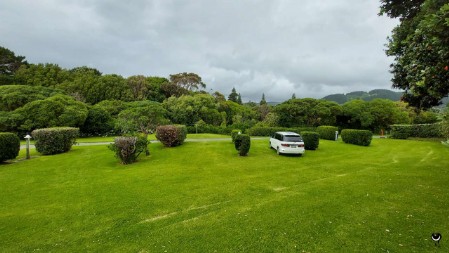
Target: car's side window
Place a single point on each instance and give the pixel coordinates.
(279, 137)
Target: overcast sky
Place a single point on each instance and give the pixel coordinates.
(312, 48)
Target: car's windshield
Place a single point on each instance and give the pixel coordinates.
(292, 138)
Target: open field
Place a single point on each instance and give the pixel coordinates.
(203, 197)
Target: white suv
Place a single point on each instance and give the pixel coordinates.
(287, 143)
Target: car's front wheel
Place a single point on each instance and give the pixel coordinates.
(278, 151)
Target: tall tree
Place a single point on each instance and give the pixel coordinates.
(9, 64)
(420, 46)
(239, 99)
(402, 9)
(233, 96)
(189, 110)
(219, 97)
(188, 81)
(263, 101)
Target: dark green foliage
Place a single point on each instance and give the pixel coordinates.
(16, 96)
(50, 141)
(327, 132)
(357, 137)
(56, 111)
(307, 112)
(269, 131)
(171, 135)
(9, 64)
(234, 134)
(417, 130)
(190, 110)
(206, 128)
(9, 146)
(128, 148)
(47, 75)
(419, 45)
(233, 96)
(142, 116)
(402, 9)
(242, 144)
(311, 140)
(98, 123)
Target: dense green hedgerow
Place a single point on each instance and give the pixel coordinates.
(269, 131)
(210, 129)
(242, 144)
(56, 140)
(327, 132)
(9, 146)
(171, 135)
(128, 148)
(311, 140)
(357, 137)
(416, 130)
(234, 134)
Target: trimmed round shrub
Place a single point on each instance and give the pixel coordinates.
(234, 134)
(56, 140)
(357, 137)
(311, 140)
(9, 146)
(128, 148)
(171, 135)
(327, 132)
(242, 144)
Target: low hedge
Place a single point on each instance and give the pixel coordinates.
(357, 137)
(327, 132)
(242, 144)
(269, 131)
(56, 140)
(417, 130)
(311, 140)
(171, 135)
(9, 146)
(128, 148)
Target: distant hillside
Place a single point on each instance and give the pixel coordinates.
(367, 96)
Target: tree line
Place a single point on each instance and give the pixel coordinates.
(45, 95)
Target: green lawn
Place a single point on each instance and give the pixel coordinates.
(203, 197)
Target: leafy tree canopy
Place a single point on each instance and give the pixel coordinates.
(420, 46)
(143, 118)
(307, 112)
(16, 96)
(188, 81)
(9, 64)
(59, 110)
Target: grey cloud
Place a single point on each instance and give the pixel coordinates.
(312, 48)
